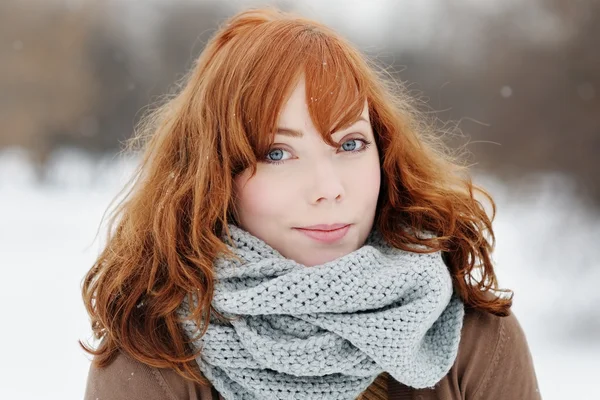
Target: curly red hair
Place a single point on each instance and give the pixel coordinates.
(165, 234)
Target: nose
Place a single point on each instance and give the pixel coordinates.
(326, 183)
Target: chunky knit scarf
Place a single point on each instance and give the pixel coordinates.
(327, 331)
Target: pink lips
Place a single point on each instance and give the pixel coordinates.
(326, 233)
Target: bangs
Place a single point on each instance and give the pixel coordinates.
(333, 72)
(335, 93)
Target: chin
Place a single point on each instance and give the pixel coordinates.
(334, 255)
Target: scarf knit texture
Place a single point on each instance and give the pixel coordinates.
(326, 331)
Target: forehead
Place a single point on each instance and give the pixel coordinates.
(295, 108)
(295, 112)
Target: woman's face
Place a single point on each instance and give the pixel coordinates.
(304, 182)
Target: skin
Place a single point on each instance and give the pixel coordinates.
(304, 182)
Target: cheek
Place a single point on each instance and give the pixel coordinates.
(375, 179)
(366, 180)
(259, 197)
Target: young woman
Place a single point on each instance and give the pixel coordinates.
(296, 231)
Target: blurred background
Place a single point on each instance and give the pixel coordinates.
(515, 81)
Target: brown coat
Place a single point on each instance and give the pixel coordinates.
(493, 362)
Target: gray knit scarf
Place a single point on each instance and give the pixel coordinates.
(327, 331)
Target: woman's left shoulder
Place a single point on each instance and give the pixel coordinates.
(493, 362)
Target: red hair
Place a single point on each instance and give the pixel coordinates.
(164, 236)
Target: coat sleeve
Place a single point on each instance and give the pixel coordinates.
(510, 373)
(127, 379)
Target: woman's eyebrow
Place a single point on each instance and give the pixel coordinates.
(298, 134)
(288, 132)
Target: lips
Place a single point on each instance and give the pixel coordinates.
(324, 227)
(326, 233)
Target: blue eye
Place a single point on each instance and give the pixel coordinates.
(278, 155)
(275, 156)
(350, 145)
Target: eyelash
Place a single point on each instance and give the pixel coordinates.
(366, 145)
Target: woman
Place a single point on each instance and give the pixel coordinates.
(295, 231)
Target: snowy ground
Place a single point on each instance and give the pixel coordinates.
(47, 242)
